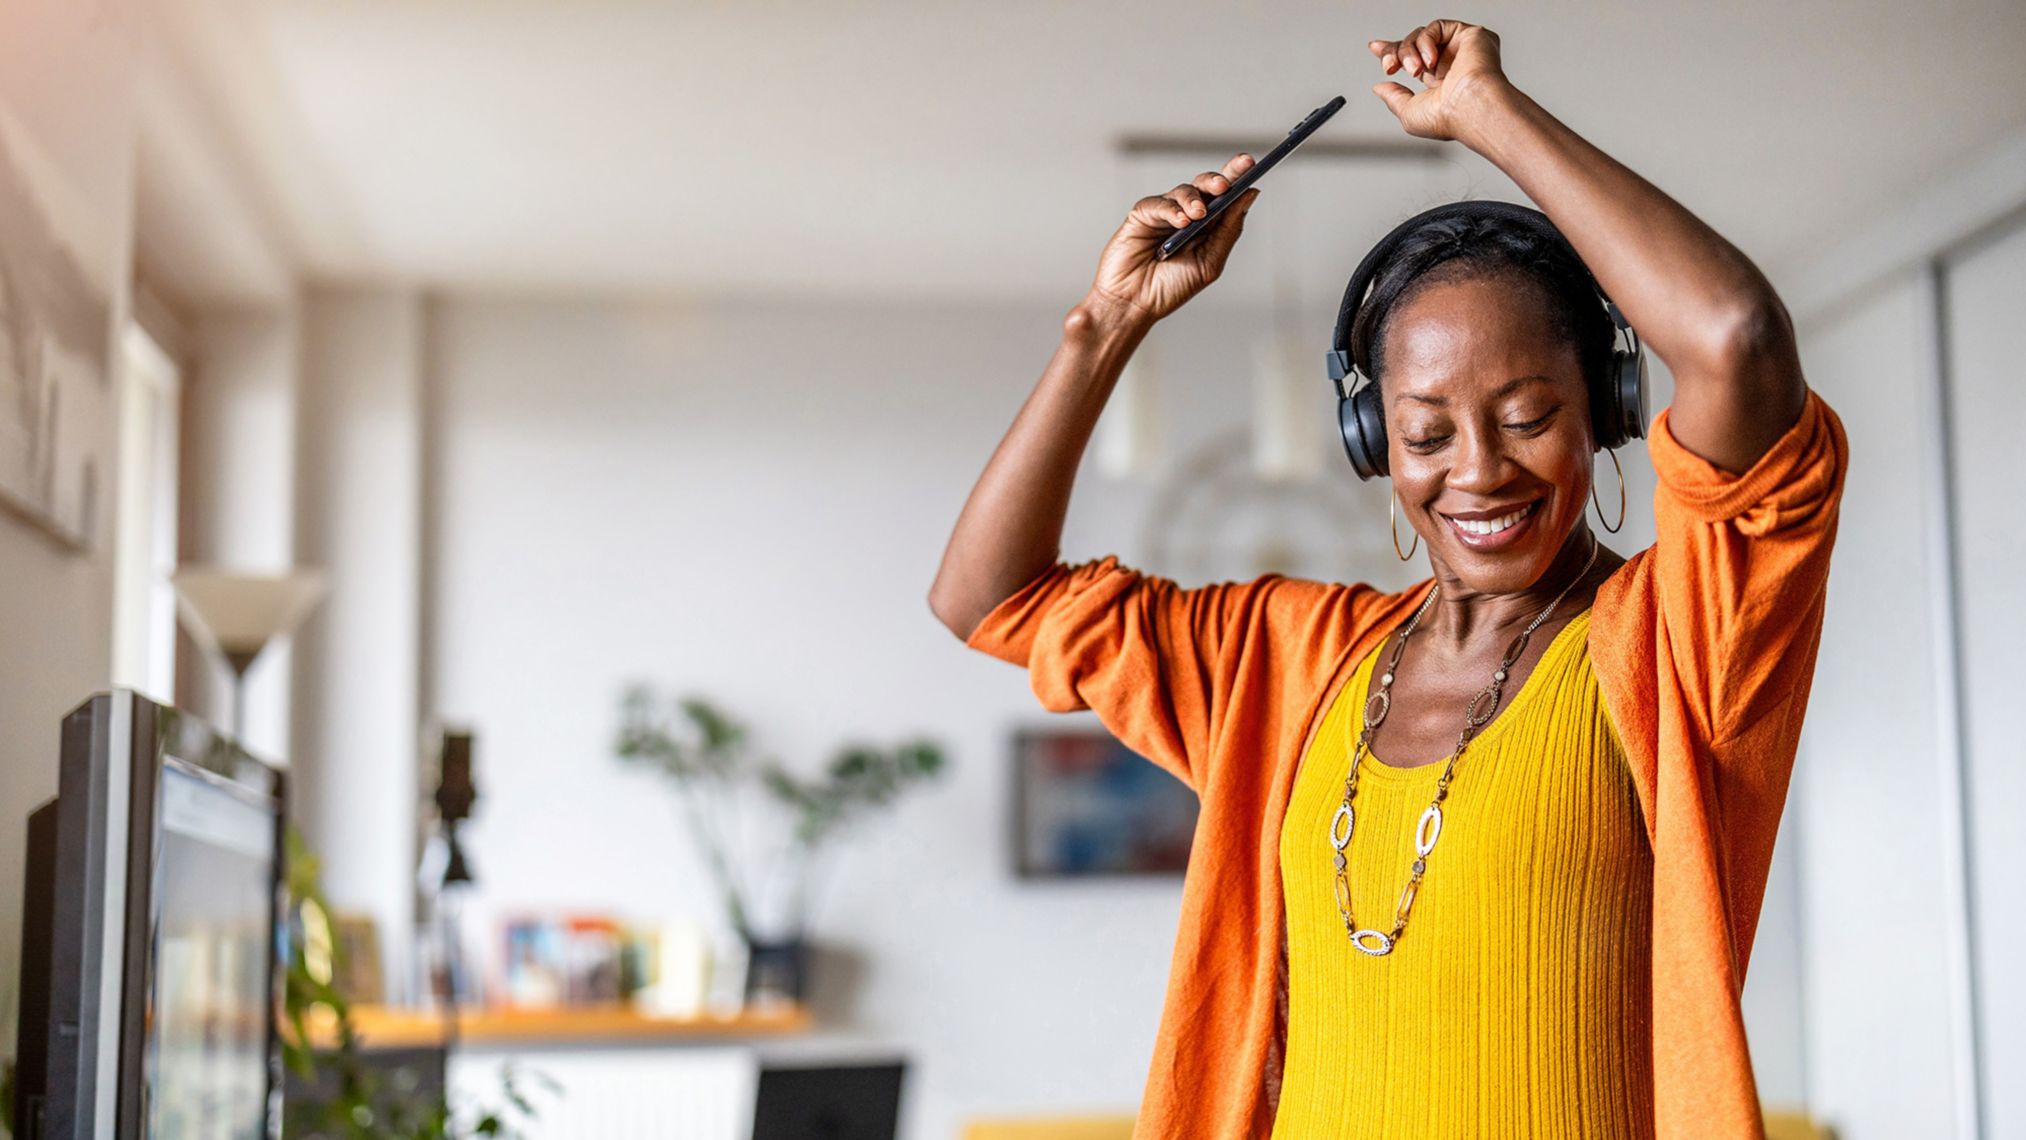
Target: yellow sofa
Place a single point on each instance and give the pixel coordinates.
(1051, 1128)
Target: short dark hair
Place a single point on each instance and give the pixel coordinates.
(1465, 248)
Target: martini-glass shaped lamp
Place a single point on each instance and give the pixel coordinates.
(238, 614)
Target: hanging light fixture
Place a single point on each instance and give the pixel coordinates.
(1129, 431)
(1284, 395)
(1284, 410)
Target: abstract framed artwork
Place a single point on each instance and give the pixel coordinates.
(56, 398)
(1085, 805)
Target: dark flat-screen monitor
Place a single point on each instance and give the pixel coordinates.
(857, 1101)
(152, 936)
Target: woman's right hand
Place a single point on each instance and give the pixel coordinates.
(1128, 275)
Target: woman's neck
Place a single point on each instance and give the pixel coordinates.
(1462, 619)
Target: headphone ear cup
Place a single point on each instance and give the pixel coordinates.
(1607, 418)
(1629, 378)
(1618, 411)
(1361, 417)
(1636, 411)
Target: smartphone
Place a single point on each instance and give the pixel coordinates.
(1215, 206)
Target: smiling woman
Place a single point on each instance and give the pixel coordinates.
(1582, 864)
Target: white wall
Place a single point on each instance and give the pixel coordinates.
(64, 82)
(749, 500)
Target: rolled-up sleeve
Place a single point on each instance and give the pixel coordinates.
(1156, 661)
(1742, 563)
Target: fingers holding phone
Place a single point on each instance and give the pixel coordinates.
(1174, 244)
(1194, 197)
(1130, 271)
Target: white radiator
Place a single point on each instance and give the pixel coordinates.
(618, 1094)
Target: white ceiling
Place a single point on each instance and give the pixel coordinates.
(966, 150)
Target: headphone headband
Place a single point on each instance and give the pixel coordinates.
(1618, 406)
(1342, 362)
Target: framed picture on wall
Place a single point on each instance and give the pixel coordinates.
(1086, 805)
(56, 399)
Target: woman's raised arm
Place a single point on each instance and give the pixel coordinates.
(1010, 529)
(1698, 302)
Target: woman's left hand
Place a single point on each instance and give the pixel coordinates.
(1456, 62)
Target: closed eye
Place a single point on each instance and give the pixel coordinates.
(1530, 427)
(1535, 424)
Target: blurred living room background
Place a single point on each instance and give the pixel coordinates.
(536, 426)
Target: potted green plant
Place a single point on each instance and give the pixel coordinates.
(711, 760)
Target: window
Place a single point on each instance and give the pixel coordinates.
(144, 544)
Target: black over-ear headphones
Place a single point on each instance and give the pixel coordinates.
(1617, 399)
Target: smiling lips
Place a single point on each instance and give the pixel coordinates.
(1483, 530)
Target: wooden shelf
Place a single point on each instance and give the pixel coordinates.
(382, 1027)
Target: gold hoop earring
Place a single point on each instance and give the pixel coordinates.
(1393, 525)
(1613, 453)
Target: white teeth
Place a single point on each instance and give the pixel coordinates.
(1490, 526)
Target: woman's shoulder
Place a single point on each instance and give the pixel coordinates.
(1305, 616)
(1624, 589)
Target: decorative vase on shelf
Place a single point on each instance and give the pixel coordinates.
(709, 759)
(777, 971)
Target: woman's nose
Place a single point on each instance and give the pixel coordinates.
(1481, 464)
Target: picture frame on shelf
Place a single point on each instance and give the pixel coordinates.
(533, 972)
(360, 975)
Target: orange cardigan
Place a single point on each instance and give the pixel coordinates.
(1703, 646)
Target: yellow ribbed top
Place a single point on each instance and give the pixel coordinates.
(1517, 1002)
